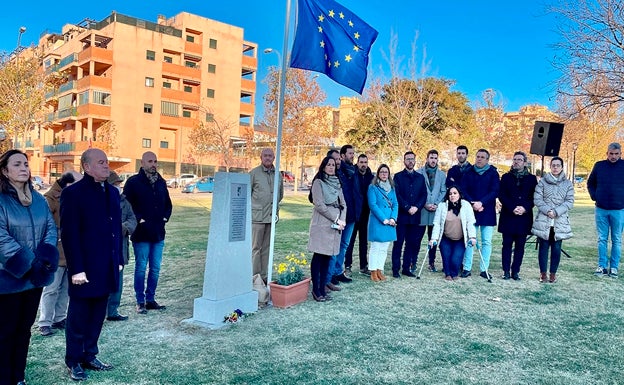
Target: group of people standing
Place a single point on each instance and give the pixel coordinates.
(458, 210)
(68, 254)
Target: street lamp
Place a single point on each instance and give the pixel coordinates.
(574, 148)
(19, 36)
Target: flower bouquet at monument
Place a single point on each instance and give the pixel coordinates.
(290, 285)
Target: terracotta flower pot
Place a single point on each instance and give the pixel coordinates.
(285, 296)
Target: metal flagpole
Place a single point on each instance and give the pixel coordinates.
(278, 144)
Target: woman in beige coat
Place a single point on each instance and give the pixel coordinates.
(328, 221)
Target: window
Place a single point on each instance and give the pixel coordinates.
(209, 117)
(147, 143)
(164, 144)
(190, 39)
(168, 59)
(190, 64)
(149, 82)
(150, 55)
(212, 43)
(188, 89)
(186, 113)
(83, 98)
(166, 85)
(212, 68)
(147, 108)
(210, 93)
(169, 108)
(100, 97)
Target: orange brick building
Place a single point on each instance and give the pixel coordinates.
(130, 85)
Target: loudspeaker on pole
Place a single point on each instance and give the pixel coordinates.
(546, 138)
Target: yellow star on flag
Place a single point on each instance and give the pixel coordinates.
(321, 18)
(341, 15)
(331, 13)
(356, 35)
(322, 44)
(348, 58)
(350, 23)
(336, 63)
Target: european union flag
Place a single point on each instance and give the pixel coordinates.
(332, 40)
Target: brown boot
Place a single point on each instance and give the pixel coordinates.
(543, 278)
(553, 278)
(374, 276)
(381, 275)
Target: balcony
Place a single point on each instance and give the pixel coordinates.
(250, 62)
(99, 112)
(193, 48)
(99, 82)
(248, 85)
(97, 54)
(181, 72)
(176, 121)
(67, 87)
(246, 109)
(72, 148)
(26, 144)
(66, 114)
(181, 96)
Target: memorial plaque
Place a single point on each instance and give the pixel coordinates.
(238, 206)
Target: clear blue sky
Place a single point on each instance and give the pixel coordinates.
(480, 44)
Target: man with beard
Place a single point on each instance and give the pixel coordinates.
(435, 180)
(455, 174)
(480, 186)
(411, 195)
(516, 217)
(365, 176)
(147, 193)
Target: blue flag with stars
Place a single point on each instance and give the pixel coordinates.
(332, 40)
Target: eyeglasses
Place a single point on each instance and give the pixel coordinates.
(383, 172)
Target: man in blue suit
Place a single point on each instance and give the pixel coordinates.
(91, 236)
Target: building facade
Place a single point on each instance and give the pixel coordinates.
(128, 86)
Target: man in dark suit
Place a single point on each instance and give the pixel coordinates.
(91, 236)
(411, 194)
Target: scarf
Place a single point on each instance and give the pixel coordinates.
(481, 170)
(454, 207)
(24, 195)
(431, 172)
(386, 186)
(331, 188)
(519, 174)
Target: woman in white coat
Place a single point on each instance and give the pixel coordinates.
(554, 197)
(453, 230)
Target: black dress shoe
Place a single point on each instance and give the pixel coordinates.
(396, 274)
(46, 331)
(76, 373)
(23, 382)
(97, 365)
(506, 275)
(465, 274)
(515, 276)
(59, 325)
(318, 298)
(343, 278)
(484, 274)
(408, 273)
(153, 305)
(117, 317)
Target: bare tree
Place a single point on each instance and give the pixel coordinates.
(22, 91)
(306, 125)
(591, 53)
(214, 138)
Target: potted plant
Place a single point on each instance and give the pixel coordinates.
(290, 286)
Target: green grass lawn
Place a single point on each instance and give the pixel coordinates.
(403, 331)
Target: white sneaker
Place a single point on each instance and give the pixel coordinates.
(614, 273)
(601, 271)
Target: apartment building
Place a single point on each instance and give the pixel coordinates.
(129, 85)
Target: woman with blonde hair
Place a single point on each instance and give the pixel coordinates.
(384, 210)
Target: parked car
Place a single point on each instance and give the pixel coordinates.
(39, 183)
(288, 176)
(181, 180)
(203, 184)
